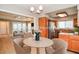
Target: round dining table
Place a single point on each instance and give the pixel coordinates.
(38, 46)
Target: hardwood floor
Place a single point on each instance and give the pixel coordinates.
(6, 45)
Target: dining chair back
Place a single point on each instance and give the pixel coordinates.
(28, 34)
(20, 47)
(19, 41)
(60, 46)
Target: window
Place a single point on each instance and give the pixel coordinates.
(51, 25)
(18, 26)
(14, 27)
(24, 28)
(61, 24)
(65, 24)
(69, 24)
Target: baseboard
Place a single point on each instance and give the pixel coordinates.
(73, 51)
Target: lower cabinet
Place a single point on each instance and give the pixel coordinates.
(74, 45)
(64, 37)
(72, 40)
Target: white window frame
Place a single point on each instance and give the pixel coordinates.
(65, 25)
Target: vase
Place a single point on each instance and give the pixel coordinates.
(37, 36)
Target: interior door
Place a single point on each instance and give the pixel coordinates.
(4, 27)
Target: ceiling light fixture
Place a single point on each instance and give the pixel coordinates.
(62, 14)
(37, 11)
(40, 8)
(32, 9)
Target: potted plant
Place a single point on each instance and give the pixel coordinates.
(76, 30)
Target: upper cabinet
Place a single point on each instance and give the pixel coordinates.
(43, 26)
(4, 27)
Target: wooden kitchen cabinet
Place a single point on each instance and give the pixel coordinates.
(64, 37)
(72, 40)
(74, 45)
(43, 26)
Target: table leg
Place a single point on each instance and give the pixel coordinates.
(33, 50)
(42, 51)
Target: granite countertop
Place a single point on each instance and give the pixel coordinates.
(67, 33)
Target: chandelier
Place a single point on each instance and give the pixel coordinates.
(36, 11)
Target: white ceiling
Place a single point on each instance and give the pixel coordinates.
(70, 11)
(23, 9)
